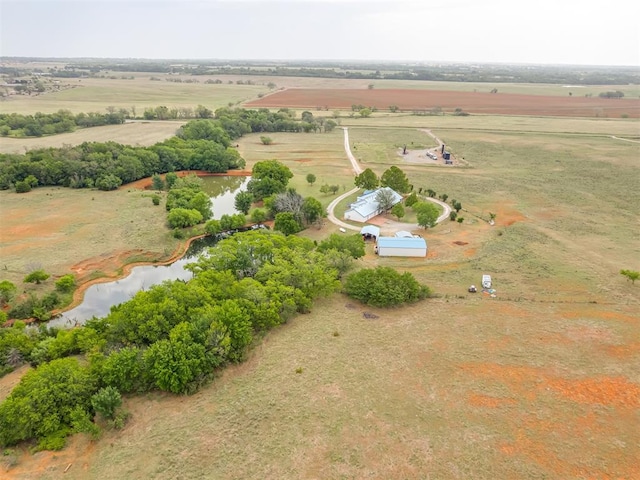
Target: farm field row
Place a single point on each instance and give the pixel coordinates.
(472, 102)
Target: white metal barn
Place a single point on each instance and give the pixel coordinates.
(402, 247)
(366, 206)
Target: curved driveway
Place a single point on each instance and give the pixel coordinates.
(358, 170)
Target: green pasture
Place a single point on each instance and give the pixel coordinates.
(96, 94)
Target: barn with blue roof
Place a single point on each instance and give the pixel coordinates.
(401, 247)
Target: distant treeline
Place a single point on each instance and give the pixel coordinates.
(203, 144)
(458, 72)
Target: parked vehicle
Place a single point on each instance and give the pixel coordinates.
(486, 281)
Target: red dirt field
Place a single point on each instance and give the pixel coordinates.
(472, 102)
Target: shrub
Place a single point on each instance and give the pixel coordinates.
(106, 401)
(22, 187)
(384, 287)
(66, 283)
(155, 199)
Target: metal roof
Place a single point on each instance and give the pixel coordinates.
(403, 234)
(366, 204)
(371, 230)
(396, 242)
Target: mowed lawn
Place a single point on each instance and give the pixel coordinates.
(130, 133)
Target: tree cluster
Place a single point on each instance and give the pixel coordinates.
(170, 337)
(384, 287)
(17, 125)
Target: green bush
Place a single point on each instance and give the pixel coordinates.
(106, 401)
(384, 287)
(66, 283)
(22, 187)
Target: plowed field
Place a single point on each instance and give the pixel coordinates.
(472, 102)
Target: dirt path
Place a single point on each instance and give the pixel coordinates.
(625, 139)
(389, 223)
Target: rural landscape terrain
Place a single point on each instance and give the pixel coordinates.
(540, 379)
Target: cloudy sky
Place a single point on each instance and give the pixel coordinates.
(515, 31)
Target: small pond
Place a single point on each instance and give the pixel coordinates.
(98, 299)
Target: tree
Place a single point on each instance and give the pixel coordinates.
(365, 112)
(334, 189)
(330, 125)
(312, 210)
(155, 199)
(311, 178)
(266, 140)
(176, 362)
(268, 177)
(393, 108)
(258, 215)
(396, 179)
(460, 219)
(351, 244)
(398, 211)
(411, 200)
(457, 206)
(170, 179)
(37, 276)
(203, 112)
(431, 193)
(156, 182)
(183, 217)
(7, 291)
(66, 283)
(444, 197)
(286, 223)
(32, 181)
(40, 406)
(325, 189)
(427, 214)
(108, 182)
(212, 227)
(631, 275)
(106, 401)
(384, 287)
(385, 199)
(367, 180)
(452, 216)
(243, 202)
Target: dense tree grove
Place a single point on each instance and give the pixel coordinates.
(384, 287)
(170, 337)
(15, 124)
(203, 144)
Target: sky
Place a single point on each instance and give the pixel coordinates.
(583, 32)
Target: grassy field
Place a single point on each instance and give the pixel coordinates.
(540, 382)
(87, 233)
(131, 133)
(319, 153)
(96, 94)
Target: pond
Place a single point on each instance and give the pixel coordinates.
(222, 191)
(98, 299)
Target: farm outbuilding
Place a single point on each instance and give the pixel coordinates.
(366, 206)
(401, 247)
(370, 231)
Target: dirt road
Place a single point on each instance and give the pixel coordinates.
(390, 223)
